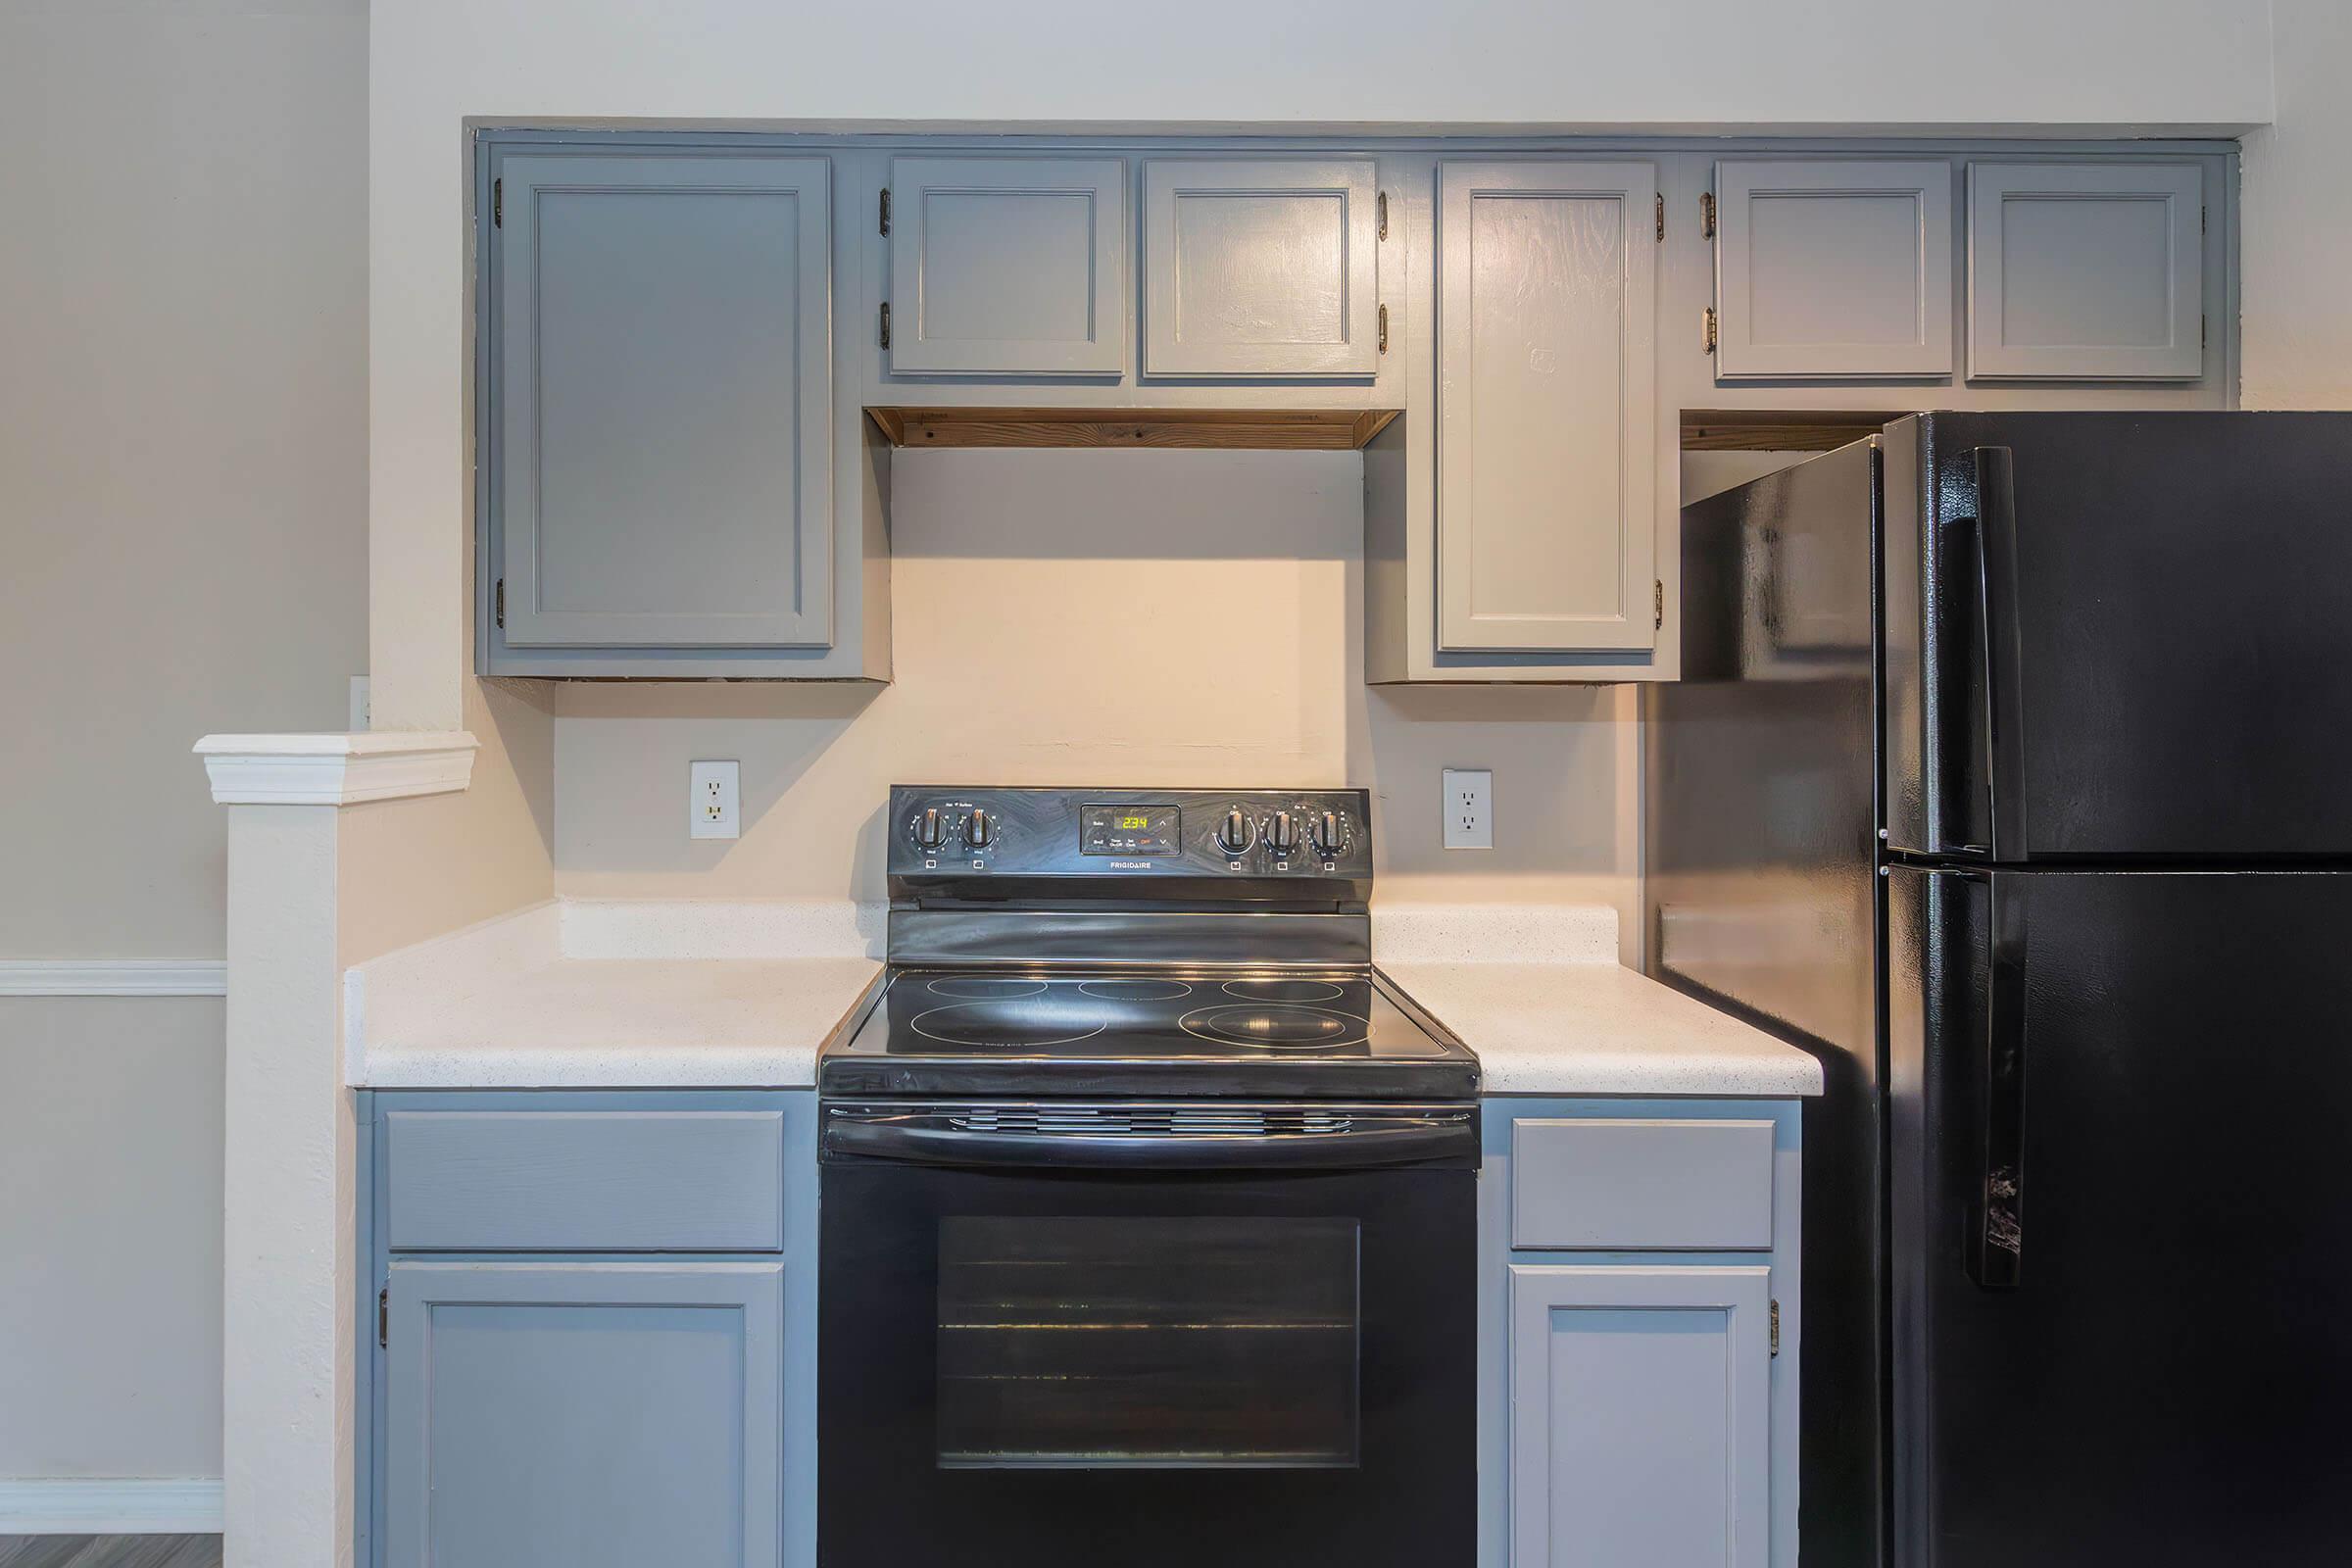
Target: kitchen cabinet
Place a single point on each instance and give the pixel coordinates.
(1833, 267)
(1640, 1329)
(598, 1414)
(1009, 265)
(1545, 367)
(2085, 270)
(1641, 1426)
(1266, 269)
(590, 1328)
(661, 487)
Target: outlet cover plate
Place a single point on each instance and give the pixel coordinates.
(1469, 808)
(713, 800)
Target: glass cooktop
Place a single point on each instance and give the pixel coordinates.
(1190, 1032)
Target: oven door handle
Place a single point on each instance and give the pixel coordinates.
(1440, 1137)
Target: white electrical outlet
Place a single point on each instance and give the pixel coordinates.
(1469, 808)
(713, 801)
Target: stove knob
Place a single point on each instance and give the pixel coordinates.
(930, 830)
(1330, 838)
(1235, 832)
(1281, 835)
(980, 828)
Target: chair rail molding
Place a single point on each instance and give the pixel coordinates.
(113, 977)
(336, 769)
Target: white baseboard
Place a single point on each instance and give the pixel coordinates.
(106, 1506)
(113, 977)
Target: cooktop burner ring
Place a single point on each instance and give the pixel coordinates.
(1282, 1026)
(1285, 990)
(1012, 1035)
(1140, 988)
(984, 988)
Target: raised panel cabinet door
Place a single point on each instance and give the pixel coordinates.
(1641, 1423)
(1263, 267)
(1546, 415)
(584, 1415)
(1833, 267)
(662, 375)
(1011, 266)
(2085, 272)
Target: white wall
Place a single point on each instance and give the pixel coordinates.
(2297, 220)
(1065, 618)
(2173, 65)
(183, 512)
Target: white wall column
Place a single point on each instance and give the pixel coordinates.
(288, 1363)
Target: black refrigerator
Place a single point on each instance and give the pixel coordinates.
(2011, 774)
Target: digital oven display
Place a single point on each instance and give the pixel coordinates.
(1128, 830)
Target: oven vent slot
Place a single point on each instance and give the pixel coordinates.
(1149, 1121)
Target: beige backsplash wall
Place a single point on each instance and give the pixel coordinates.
(1179, 619)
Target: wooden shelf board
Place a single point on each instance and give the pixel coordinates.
(1264, 429)
(1778, 429)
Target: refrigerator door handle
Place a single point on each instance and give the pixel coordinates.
(1997, 619)
(1997, 1229)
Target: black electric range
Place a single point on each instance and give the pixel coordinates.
(1146, 1200)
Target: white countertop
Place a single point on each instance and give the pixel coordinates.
(680, 994)
(614, 993)
(1559, 1015)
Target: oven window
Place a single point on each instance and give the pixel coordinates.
(1168, 1343)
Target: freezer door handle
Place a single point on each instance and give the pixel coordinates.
(1997, 1229)
(1997, 620)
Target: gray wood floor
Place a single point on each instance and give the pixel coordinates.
(110, 1551)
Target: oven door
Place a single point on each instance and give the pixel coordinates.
(1146, 1335)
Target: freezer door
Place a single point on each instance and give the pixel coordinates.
(2119, 635)
(2121, 1217)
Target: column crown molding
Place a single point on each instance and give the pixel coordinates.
(336, 769)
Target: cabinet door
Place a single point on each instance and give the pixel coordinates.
(1011, 266)
(1261, 268)
(1640, 1416)
(1547, 368)
(1833, 267)
(2085, 272)
(591, 1416)
(662, 453)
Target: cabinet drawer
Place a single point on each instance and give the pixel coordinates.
(603, 1181)
(1638, 1185)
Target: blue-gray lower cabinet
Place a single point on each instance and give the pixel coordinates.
(584, 1414)
(1639, 1318)
(589, 1337)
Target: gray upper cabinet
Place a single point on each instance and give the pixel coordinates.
(1641, 1415)
(1833, 267)
(2085, 272)
(659, 392)
(598, 1415)
(1009, 267)
(1547, 409)
(1261, 268)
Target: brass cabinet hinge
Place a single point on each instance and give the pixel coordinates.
(1708, 332)
(498, 203)
(1776, 1327)
(501, 604)
(1384, 329)
(1661, 195)
(886, 209)
(1379, 209)
(383, 1316)
(2201, 219)
(886, 324)
(2201, 329)
(1706, 214)
(1657, 603)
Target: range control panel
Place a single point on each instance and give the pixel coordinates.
(941, 834)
